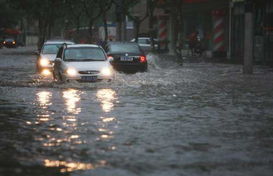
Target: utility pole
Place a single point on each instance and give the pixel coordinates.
(248, 41)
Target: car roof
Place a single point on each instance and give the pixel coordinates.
(131, 43)
(145, 38)
(58, 42)
(83, 45)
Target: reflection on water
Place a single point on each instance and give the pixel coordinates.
(106, 97)
(72, 98)
(44, 98)
(73, 166)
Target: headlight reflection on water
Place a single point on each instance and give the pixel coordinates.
(72, 98)
(106, 97)
(73, 166)
(44, 98)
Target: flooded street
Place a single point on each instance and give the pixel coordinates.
(198, 119)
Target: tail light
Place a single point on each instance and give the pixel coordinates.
(142, 59)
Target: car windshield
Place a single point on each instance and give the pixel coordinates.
(143, 41)
(51, 48)
(9, 40)
(84, 54)
(124, 48)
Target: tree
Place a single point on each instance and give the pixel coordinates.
(8, 16)
(46, 14)
(138, 20)
(75, 13)
(105, 6)
(122, 10)
(92, 11)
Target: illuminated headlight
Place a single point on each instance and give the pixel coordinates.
(71, 72)
(106, 71)
(44, 62)
(46, 72)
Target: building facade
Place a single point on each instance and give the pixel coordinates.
(220, 24)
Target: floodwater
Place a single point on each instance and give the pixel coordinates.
(198, 119)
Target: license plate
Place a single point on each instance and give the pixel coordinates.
(126, 58)
(89, 78)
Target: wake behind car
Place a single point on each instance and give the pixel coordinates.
(82, 62)
(126, 56)
(44, 62)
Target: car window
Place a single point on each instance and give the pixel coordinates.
(9, 40)
(51, 48)
(124, 48)
(142, 41)
(84, 54)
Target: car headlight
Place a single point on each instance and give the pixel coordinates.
(71, 71)
(46, 72)
(106, 71)
(44, 62)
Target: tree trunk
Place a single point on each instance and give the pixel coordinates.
(151, 30)
(90, 31)
(105, 27)
(77, 29)
(137, 25)
(42, 32)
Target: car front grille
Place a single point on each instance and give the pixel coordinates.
(89, 72)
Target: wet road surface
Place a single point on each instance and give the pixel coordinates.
(194, 120)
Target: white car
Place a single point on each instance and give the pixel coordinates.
(82, 62)
(145, 43)
(44, 62)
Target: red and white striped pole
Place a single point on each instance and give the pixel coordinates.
(162, 33)
(218, 31)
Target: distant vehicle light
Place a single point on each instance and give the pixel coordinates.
(71, 72)
(14, 42)
(142, 59)
(44, 62)
(46, 72)
(106, 71)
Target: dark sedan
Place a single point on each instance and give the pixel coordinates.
(126, 56)
(10, 43)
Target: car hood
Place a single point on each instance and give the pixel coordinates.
(92, 65)
(51, 57)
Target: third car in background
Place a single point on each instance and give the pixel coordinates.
(146, 44)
